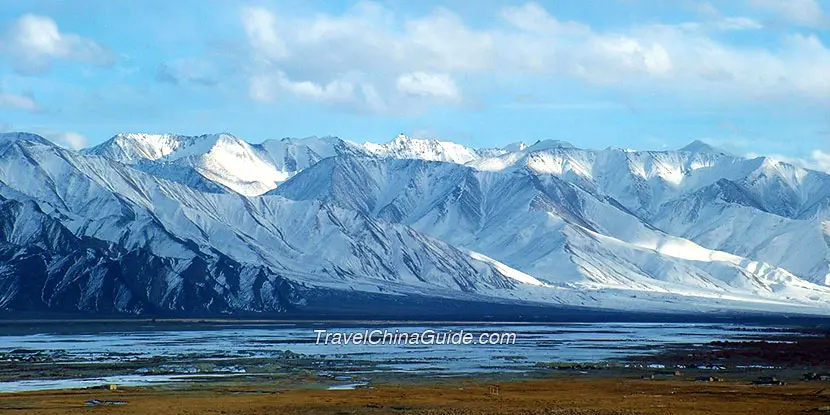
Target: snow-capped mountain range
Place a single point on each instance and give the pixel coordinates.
(211, 224)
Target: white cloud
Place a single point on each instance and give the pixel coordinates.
(810, 62)
(715, 20)
(32, 42)
(621, 55)
(532, 17)
(267, 88)
(806, 13)
(21, 102)
(71, 140)
(260, 26)
(736, 23)
(820, 160)
(334, 91)
(262, 88)
(427, 84)
(359, 60)
(444, 42)
(817, 160)
(368, 57)
(374, 102)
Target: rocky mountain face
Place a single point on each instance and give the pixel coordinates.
(205, 225)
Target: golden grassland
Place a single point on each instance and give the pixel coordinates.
(461, 396)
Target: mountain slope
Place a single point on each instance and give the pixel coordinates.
(541, 225)
(212, 224)
(674, 190)
(233, 241)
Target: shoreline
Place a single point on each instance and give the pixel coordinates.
(81, 359)
(715, 376)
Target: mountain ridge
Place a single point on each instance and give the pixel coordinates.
(547, 224)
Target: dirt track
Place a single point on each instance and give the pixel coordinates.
(560, 396)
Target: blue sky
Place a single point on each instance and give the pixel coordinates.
(752, 76)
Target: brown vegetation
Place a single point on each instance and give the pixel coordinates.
(550, 396)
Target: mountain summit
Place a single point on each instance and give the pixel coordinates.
(699, 146)
(407, 147)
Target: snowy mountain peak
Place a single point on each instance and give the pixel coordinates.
(402, 137)
(405, 147)
(549, 144)
(19, 136)
(144, 146)
(699, 146)
(131, 148)
(513, 147)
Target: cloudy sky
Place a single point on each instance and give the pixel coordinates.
(752, 76)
